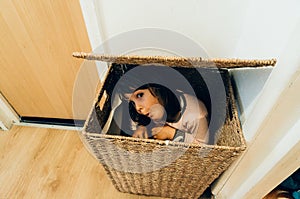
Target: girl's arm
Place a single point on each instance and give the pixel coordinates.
(161, 133)
(198, 132)
(167, 132)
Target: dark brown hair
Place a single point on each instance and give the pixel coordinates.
(167, 98)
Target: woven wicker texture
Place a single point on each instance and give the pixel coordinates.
(193, 167)
(187, 177)
(160, 168)
(177, 61)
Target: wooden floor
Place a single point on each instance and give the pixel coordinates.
(50, 163)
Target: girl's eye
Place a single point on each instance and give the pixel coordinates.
(139, 95)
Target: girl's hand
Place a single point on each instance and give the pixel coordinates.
(140, 132)
(163, 132)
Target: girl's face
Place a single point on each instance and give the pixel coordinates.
(147, 104)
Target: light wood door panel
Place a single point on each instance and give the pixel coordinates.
(37, 68)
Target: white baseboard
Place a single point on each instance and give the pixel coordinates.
(49, 126)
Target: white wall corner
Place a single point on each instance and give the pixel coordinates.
(95, 26)
(273, 151)
(248, 84)
(276, 166)
(91, 21)
(271, 130)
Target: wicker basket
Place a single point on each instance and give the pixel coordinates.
(162, 168)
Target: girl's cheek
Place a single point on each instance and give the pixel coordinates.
(158, 111)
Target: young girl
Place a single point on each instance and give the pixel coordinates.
(164, 115)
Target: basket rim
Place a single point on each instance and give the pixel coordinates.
(242, 147)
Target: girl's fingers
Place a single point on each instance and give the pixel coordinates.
(136, 135)
(156, 130)
(145, 134)
(140, 134)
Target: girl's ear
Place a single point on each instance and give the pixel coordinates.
(127, 96)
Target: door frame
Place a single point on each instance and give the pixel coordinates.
(271, 131)
(8, 116)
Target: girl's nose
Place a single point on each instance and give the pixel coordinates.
(140, 109)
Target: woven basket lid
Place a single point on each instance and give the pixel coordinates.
(178, 61)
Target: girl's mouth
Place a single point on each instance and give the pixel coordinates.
(149, 115)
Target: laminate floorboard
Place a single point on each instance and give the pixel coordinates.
(51, 163)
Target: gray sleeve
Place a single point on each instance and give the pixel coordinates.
(179, 136)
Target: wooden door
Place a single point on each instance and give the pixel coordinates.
(37, 70)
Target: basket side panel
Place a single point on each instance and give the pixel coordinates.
(186, 172)
(230, 134)
(150, 167)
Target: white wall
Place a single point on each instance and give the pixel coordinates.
(216, 25)
(267, 30)
(226, 29)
